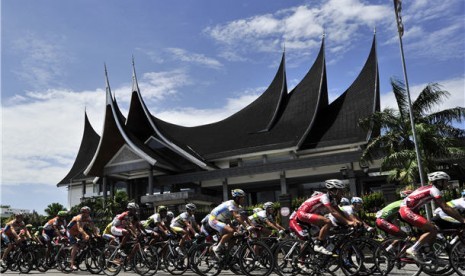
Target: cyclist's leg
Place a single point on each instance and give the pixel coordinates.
(423, 224)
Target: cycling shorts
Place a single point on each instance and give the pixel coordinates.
(388, 227)
(117, 230)
(298, 230)
(412, 217)
(309, 217)
(217, 225)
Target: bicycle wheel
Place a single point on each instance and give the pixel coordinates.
(203, 261)
(64, 260)
(256, 258)
(175, 263)
(457, 258)
(350, 259)
(92, 260)
(367, 249)
(145, 263)
(286, 257)
(25, 261)
(111, 261)
(439, 258)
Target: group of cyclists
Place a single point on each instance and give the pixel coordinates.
(322, 211)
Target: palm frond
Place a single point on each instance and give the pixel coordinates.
(447, 116)
(398, 88)
(429, 97)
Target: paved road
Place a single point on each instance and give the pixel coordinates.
(404, 272)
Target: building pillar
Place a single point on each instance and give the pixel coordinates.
(283, 183)
(225, 189)
(104, 188)
(150, 191)
(285, 211)
(352, 182)
(83, 188)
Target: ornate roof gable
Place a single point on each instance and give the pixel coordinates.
(338, 123)
(89, 142)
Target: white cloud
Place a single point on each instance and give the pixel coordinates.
(44, 59)
(300, 27)
(183, 55)
(456, 88)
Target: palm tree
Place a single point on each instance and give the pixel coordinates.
(436, 135)
(53, 209)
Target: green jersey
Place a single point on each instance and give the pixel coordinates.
(390, 210)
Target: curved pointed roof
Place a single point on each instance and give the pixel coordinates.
(275, 120)
(115, 136)
(89, 143)
(338, 123)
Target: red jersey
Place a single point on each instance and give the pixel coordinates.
(317, 204)
(421, 196)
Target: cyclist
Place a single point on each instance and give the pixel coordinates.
(186, 226)
(409, 210)
(344, 202)
(126, 224)
(313, 209)
(386, 217)
(351, 211)
(53, 228)
(10, 234)
(445, 221)
(76, 230)
(221, 216)
(106, 235)
(156, 223)
(265, 222)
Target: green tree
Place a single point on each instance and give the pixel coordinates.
(53, 208)
(437, 138)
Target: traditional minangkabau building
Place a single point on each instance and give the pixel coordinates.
(281, 146)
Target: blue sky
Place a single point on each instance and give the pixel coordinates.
(197, 62)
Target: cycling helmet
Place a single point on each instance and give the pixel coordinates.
(191, 207)
(237, 193)
(267, 205)
(62, 213)
(132, 206)
(85, 209)
(256, 210)
(28, 226)
(404, 194)
(463, 193)
(438, 176)
(356, 199)
(19, 215)
(162, 208)
(170, 214)
(345, 201)
(334, 184)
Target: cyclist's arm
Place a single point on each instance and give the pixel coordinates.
(449, 210)
(337, 213)
(80, 227)
(237, 216)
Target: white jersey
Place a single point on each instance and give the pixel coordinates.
(179, 221)
(458, 204)
(223, 212)
(348, 210)
(260, 218)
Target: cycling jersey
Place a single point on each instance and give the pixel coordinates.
(458, 204)
(421, 196)
(14, 224)
(180, 221)
(72, 225)
(223, 212)
(261, 217)
(390, 211)
(122, 220)
(317, 204)
(153, 220)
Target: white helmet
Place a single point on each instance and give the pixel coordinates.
(237, 193)
(256, 210)
(356, 199)
(438, 176)
(267, 205)
(345, 201)
(132, 206)
(334, 184)
(191, 207)
(170, 214)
